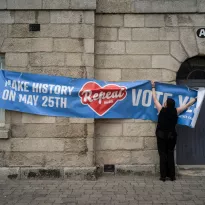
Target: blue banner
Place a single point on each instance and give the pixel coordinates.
(89, 98)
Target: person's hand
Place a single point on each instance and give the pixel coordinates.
(153, 83)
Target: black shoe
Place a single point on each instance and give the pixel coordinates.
(162, 179)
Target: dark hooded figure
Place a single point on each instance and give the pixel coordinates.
(166, 134)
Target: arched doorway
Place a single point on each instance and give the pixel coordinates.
(191, 142)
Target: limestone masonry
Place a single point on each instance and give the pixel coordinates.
(112, 40)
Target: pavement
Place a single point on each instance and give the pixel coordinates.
(106, 190)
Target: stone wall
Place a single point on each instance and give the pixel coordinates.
(139, 47)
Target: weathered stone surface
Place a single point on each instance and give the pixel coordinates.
(24, 4)
(113, 157)
(78, 173)
(13, 117)
(154, 74)
(133, 20)
(188, 40)
(28, 118)
(171, 20)
(82, 31)
(123, 61)
(68, 45)
(168, 76)
(16, 45)
(191, 20)
(85, 4)
(74, 59)
(89, 17)
(89, 45)
(134, 74)
(144, 157)
(88, 60)
(46, 59)
(108, 74)
(154, 20)
(5, 145)
(81, 120)
(155, 47)
(124, 34)
(37, 145)
(150, 143)
(3, 4)
(108, 129)
(53, 4)
(17, 59)
(43, 17)
(76, 145)
(119, 143)
(3, 31)
(138, 129)
(178, 51)
(168, 33)
(109, 20)
(201, 7)
(66, 17)
(107, 34)
(145, 34)
(9, 173)
(25, 17)
(165, 61)
(6, 17)
(134, 170)
(41, 44)
(90, 72)
(90, 130)
(110, 48)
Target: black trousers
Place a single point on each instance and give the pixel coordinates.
(166, 154)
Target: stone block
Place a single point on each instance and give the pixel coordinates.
(76, 145)
(124, 34)
(68, 45)
(178, 52)
(89, 45)
(168, 76)
(9, 173)
(150, 143)
(43, 17)
(107, 34)
(188, 40)
(37, 145)
(154, 74)
(151, 47)
(17, 59)
(53, 4)
(85, 4)
(110, 48)
(90, 130)
(108, 129)
(24, 4)
(123, 61)
(113, 157)
(136, 170)
(138, 129)
(6, 17)
(73, 17)
(16, 45)
(28, 118)
(25, 17)
(169, 33)
(89, 17)
(88, 59)
(81, 120)
(109, 20)
(156, 20)
(145, 34)
(3, 31)
(82, 31)
(144, 157)
(41, 173)
(74, 59)
(133, 20)
(5, 145)
(41, 44)
(119, 143)
(191, 20)
(80, 173)
(5, 133)
(89, 72)
(17, 69)
(165, 61)
(134, 74)
(200, 7)
(108, 74)
(171, 20)
(46, 59)
(3, 4)
(48, 130)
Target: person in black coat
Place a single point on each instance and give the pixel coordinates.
(166, 134)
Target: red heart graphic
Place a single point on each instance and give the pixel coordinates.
(101, 99)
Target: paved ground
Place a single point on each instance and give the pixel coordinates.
(107, 190)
